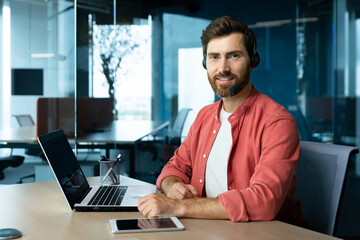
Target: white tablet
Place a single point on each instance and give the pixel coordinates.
(145, 225)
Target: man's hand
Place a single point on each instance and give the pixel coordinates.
(181, 190)
(174, 187)
(158, 205)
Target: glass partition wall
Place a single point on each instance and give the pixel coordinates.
(327, 61)
(37, 55)
(132, 60)
(140, 59)
(36, 65)
(37, 48)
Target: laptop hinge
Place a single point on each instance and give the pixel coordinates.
(84, 194)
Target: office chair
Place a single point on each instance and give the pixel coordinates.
(10, 161)
(165, 142)
(168, 138)
(14, 160)
(174, 139)
(321, 174)
(25, 120)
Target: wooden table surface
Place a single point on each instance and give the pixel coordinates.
(39, 211)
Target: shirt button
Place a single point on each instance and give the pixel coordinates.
(204, 156)
(214, 131)
(230, 188)
(201, 181)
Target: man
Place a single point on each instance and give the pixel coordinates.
(238, 160)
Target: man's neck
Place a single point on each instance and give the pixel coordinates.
(230, 104)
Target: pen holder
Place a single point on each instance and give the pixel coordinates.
(109, 172)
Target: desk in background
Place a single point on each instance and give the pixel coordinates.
(40, 211)
(119, 134)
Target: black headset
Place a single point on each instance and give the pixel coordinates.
(204, 61)
(254, 59)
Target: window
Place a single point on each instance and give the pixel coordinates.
(122, 68)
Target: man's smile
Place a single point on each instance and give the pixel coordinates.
(224, 80)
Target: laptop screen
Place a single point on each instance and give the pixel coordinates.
(65, 166)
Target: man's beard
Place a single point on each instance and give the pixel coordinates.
(230, 91)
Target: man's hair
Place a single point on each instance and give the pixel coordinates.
(226, 25)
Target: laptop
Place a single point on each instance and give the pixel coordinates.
(76, 189)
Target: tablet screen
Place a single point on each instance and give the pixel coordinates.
(145, 223)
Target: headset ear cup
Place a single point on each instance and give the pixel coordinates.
(204, 62)
(255, 60)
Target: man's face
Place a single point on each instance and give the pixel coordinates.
(227, 63)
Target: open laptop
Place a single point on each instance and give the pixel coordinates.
(79, 195)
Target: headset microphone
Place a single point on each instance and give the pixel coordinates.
(237, 87)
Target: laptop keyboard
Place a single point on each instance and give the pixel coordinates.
(108, 196)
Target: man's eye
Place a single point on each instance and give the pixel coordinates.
(213, 57)
(235, 56)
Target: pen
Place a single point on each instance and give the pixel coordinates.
(114, 176)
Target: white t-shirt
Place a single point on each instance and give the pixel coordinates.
(216, 166)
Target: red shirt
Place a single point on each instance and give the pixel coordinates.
(261, 163)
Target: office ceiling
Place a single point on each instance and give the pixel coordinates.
(126, 10)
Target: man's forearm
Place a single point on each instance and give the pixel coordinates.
(211, 208)
(168, 182)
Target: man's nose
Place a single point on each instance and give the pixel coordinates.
(224, 66)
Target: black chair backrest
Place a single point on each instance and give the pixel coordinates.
(178, 126)
(320, 179)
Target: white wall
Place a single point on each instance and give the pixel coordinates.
(194, 90)
(179, 32)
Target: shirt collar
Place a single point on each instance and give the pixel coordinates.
(249, 101)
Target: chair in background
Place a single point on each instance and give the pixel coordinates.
(165, 142)
(25, 120)
(10, 161)
(15, 160)
(321, 174)
(93, 114)
(174, 139)
(171, 138)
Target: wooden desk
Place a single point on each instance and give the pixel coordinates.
(39, 211)
(120, 134)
